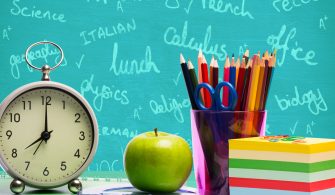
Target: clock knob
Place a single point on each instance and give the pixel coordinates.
(17, 186)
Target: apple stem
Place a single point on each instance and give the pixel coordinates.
(156, 132)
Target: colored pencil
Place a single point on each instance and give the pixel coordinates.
(266, 70)
(199, 72)
(225, 95)
(246, 56)
(240, 84)
(204, 72)
(237, 65)
(253, 84)
(211, 71)
(193, 75)
(272, 64)
(260, 85)
(245, 90)
(215, 73)
(188, 81)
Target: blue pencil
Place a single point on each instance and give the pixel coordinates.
(232, 74)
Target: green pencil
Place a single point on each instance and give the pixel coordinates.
(193, 76)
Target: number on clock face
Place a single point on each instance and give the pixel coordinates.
(46, 135)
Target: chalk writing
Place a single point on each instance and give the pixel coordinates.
(288, 5)
(172, 37)
(36, 13)
(80, 61)
(322, 22)
(41, 54)
(220, 6)
(175, 81)
(296, 52)
(5, 33)
(307, 126)
(120, 132)
(131, 67)
(105, 165)
(99, 1)
(174, 4)
(314, 102)
(136, 113)
(102, 93)
(242, 49)
(104, 32)
(170, 105)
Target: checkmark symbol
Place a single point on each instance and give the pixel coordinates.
(177, 79)
(187, 10)
(80, 61)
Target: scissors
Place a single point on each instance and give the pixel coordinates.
(215, 96)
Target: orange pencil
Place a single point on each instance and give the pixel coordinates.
(260, 85)
(199, 72)
(237, 65)
(253, 84)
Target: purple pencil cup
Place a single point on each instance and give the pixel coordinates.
(211, 131)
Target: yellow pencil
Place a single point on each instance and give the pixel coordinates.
(253, 85)
(260, 86)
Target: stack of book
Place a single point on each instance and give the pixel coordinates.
(293, 163)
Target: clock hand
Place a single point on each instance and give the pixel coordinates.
(38, 146)
(46, 118)
(45, 137)
(39, 139)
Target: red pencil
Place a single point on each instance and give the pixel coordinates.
(215, 73)
(240, 84)
(204, 71)
(225, 95)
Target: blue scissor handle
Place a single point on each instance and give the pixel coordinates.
(216, 100)
(232, 96)
(197, 93)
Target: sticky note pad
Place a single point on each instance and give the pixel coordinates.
(282, 163)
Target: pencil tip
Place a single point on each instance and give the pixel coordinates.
(200, 53)
(204, 60)
(182, 59)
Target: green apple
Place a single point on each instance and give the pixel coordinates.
(158, 162)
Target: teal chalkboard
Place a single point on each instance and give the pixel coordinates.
(123, 56)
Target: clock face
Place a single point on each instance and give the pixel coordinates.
(46, 136)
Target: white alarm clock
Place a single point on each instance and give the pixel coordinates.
(48, 133)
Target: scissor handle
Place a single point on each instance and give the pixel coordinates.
(197, 99)
(232, 96)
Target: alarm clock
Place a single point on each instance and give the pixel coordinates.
(48, 133)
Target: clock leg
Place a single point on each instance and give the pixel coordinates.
(75, 186)
(17, 186)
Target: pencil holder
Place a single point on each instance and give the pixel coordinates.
(211, 131)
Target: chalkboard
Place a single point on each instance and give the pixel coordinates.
(123, 56)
